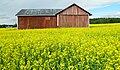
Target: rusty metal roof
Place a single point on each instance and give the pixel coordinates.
(38, 12)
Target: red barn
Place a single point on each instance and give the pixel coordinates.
(72, 16)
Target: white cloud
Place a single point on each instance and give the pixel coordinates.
(90, 4)
(112, 15)
(118, 13)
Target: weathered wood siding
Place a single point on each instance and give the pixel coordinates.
(73, 17)
(33, 22)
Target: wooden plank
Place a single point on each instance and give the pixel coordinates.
(74, 14)
(73, 21)
(74, 10)
(37, 22)
(73, 17)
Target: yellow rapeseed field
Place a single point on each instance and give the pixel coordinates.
(94, 48)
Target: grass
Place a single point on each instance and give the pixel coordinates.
(104, 25)
(94, 48)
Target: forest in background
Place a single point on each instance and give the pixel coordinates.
(104, 20)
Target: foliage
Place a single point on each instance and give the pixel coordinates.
(92, 48)
(8, 26)
(15, 25)
(104, 20)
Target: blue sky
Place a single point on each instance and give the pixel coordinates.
(99, 8)
(110, 10)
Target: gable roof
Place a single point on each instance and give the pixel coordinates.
(38, 12)
(74, 5)
(45, 12)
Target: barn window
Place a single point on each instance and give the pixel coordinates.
(47, 18)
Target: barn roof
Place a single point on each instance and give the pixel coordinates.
(38, 12)
(44, 12)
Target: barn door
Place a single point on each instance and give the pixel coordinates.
(73, 21)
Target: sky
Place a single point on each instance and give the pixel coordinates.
(98, 8)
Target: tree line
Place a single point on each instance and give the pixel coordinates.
(104, 20)
(8, 26)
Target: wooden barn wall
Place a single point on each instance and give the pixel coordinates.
(73, 21)
(30, 22)
(73, 10)
(73, 17)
